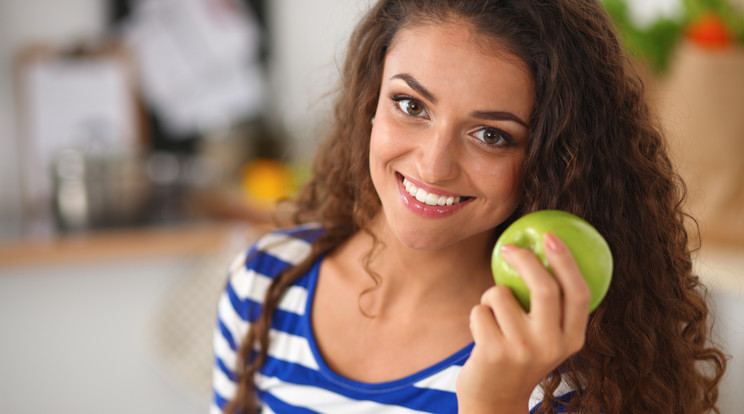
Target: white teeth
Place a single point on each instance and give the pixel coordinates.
(421, 195)
(429, 198)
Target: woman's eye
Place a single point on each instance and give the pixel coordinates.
(493, 136)
(411, 107)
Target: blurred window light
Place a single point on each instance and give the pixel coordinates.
(644, 13)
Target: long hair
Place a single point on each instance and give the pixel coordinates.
(595, 150)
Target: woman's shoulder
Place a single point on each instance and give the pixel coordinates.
(288, 241)
(277, 250)
(289, 245)
(252, 271)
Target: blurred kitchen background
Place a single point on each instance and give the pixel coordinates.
(143, 143)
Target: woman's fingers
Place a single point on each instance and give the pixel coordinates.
(576, 293)
(559, 304)
(484, 327)
(545, 293)
(507, 312)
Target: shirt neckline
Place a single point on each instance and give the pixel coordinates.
(458, 358)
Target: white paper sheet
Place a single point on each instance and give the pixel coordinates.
(198, 62)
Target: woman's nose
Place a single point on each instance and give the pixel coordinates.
(437, 159)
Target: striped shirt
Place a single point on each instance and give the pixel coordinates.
(295, 378)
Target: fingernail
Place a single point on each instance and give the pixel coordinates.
(553, 243)
(507, 249)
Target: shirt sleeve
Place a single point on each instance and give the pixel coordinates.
(240, 304)
(229, 331)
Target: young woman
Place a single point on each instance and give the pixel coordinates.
(455, 118)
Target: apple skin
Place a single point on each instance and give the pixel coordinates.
(588, 247)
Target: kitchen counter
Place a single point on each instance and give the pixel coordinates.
(144, 242)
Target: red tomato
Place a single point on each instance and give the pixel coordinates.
(710, 31)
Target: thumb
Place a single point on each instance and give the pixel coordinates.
(483, 325)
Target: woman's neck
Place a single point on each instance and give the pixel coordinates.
(414, 279)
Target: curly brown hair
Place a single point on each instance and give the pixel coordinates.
(596, 150)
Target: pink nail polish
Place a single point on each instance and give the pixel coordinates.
(553, 243)
(507, 249)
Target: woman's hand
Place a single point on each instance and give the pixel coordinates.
(515, 350)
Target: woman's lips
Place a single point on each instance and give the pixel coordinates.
(427, 202)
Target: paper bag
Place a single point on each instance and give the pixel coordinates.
(701, 106)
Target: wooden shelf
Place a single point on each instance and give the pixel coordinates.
(124, 243)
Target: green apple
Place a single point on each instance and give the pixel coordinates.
(588, 247)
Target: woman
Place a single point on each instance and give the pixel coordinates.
(454, 119)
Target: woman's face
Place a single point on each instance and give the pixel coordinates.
(449, 135)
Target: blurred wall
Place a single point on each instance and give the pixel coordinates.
(308, 39)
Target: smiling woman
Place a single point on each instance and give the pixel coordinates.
(453, 120)
(448, 121)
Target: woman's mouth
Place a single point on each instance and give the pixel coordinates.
(430, 198)
(429, 202)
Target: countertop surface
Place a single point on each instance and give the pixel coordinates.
(182, 239)
(721, 267)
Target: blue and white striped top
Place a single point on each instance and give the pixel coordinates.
(295, 378)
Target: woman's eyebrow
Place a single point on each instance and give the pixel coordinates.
(487, 115)
(498, 116)
(416, 86)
